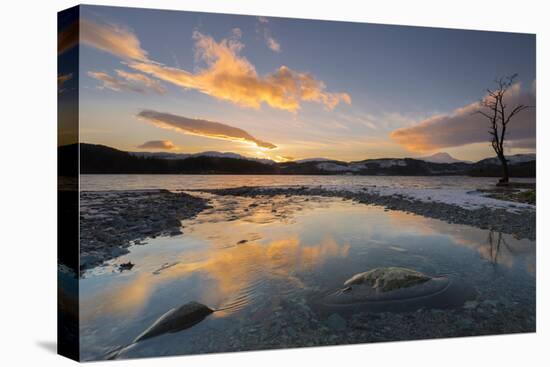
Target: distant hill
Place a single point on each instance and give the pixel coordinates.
(100, 159)
(165, 155)
(520, 165)
(441, 157)
(512, 159)
(306, 160)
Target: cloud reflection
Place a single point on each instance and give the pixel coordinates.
(495, 247)
(231, 272)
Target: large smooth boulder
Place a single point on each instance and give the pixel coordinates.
(388, 279)
(396, 289)
(176, 319)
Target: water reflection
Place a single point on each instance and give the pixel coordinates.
(494, 245)
(252, 255)
(499, 251)
(229, 276)
(497, 248)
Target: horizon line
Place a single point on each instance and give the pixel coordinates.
(295, 160)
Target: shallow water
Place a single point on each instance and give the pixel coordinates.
(267, 260)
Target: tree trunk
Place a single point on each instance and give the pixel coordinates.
(505, 176)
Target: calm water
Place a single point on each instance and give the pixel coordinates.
(294, 250)
(189, 182)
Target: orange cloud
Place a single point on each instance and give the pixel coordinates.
(62, 79)
(158, 144)
(230, 77)
(463, 126)
(227, 76)
(67, 38)
(113, 39)
(205, 128)
(125, 81)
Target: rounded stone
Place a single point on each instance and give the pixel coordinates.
(397, 289)
(387, 279)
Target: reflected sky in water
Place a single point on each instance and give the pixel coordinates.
(249, 255)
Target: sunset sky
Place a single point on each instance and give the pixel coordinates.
(290, 88)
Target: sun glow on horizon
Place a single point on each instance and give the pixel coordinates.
(260, 92)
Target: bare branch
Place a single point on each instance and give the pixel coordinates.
(496, 112)
(515, 111)
(484, 114)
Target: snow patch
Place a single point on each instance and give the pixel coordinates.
(312, 160)
(512, 159)
(463, 198)
(441, 157)
(466, 199)
(387, 163)
(335, 167)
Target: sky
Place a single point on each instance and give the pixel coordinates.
(285, 89)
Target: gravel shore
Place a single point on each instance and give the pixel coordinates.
(275, 327)
(111, 221)
(521, 223)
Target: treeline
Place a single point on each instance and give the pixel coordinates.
(100, 159)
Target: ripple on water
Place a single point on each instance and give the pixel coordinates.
(295, 249)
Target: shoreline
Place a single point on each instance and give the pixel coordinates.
(112, 221)
(511, 218)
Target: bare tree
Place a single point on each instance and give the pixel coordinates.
(499, 114)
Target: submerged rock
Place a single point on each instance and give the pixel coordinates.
(387, 279)
(177, 319)
(397, 289)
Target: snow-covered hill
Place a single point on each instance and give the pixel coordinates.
(512, 159)
(441, 157)
(312, 160)
(369, 166)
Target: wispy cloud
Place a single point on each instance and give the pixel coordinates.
(112, 38)
(140, 79)
(125, 81)
(463, 126)
(199, 127)
(273, 44)
(270, 41)
(158, 145)
(231, 77)
(237, 33)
